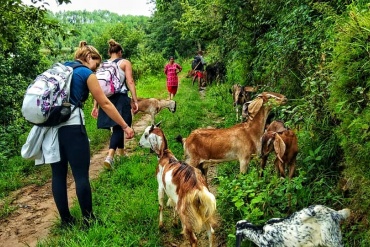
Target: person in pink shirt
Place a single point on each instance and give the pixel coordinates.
(171, 70)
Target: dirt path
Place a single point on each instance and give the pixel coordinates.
(36, 211)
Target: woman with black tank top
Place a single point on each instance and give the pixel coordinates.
(121, 101)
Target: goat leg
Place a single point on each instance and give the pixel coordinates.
(291, 169)
(280, 168)
(210, 233)
(160, 200)
(244, 164)
(191, 237)
(263, 164)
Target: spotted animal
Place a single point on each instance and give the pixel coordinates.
(316, 225)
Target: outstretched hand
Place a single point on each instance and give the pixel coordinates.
(95, 112)
(135, 107)
(129, 132)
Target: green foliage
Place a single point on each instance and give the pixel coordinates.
(314, 52)
(165, 35)
(98, 27)
(120, 207)
(15, 173)
(349, 99)
(15, 78)
(128, 38)
(148, 63)
(258, 199)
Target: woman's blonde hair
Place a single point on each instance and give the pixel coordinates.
(114, 47)
(84, 50)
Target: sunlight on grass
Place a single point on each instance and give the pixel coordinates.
(125, 200)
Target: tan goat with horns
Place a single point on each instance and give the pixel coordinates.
(239, 142)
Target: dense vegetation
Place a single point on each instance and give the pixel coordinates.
(314, 52)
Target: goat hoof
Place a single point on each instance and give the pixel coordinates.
(161, 227)
(175, 224)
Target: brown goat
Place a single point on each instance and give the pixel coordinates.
(185, 187)
(152, 106)
(241, 94)
(239, 142)
(285, 144)
(276, 126)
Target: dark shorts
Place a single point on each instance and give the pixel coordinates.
(122, 103)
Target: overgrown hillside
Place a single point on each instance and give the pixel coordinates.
(314, 52)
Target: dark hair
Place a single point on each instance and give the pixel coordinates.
(114, 47)
(171, 57)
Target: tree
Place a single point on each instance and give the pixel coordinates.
(23, 30)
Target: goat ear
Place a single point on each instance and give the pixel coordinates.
(279, 147)
(249, 89)
(255, 106)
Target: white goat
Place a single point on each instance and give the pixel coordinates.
(316, 225)
(239, 142)
(184, 185)
(152, 106)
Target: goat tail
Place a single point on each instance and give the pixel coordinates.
(344, 213)
(200, 207)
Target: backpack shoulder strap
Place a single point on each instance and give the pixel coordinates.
(76, 65)
(116, 60)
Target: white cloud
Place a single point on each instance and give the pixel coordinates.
(122, 7)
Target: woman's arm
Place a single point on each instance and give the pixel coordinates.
(95, 110)
(179, 68)
(126, 66)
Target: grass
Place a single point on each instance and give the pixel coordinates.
(125, 200)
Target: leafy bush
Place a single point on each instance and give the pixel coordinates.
(349, 101)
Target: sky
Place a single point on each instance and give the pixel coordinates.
(122, 7)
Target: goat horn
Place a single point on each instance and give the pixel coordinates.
(272, 96)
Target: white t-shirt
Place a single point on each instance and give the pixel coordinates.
(122, 77)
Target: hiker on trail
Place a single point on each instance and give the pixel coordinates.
(121, 101)
(198, 65)
(74, 147)
(171, 69)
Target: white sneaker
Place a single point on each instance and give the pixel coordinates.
(108, 163)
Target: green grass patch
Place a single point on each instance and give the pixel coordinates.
(125, 200)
